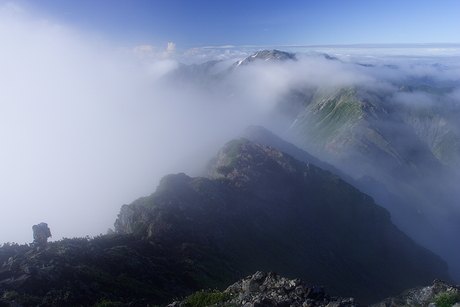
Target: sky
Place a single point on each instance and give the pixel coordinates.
(190, 23)
(83, 127)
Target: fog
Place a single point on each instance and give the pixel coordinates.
(87, 127)
(85, 130)
(435, 203)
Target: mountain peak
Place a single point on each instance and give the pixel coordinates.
(260, 208)
(268, 55)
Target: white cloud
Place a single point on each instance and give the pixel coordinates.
(171, 48)
(150, 52)
(10, 9)
(160, 68)
(85, 130)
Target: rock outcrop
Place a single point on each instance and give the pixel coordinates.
(270, 289)
(422, 296)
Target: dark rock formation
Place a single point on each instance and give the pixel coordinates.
(270, 289)
(262, 209)
(403, 214)
(83, 271)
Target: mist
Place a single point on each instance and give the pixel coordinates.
(87, 127)
(84, 128)
(431, 84)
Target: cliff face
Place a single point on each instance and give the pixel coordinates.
(261, 209)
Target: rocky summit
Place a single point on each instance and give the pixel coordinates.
(260, 209)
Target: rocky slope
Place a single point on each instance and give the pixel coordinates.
(267, 289)
(365, 132)
(265, 210)
(88, 271)
(270, 289)
(404, 214)
(438, 293)
(402, 136)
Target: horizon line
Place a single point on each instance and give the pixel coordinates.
(357, 45)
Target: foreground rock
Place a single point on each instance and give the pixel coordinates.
(424, 296)
(270, 289)
(123, 271)
(116, 269)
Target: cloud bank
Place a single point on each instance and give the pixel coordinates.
(85, 130)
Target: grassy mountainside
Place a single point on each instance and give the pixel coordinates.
(352, 126)
(411, 149)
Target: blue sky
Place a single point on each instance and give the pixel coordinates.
(190, 23)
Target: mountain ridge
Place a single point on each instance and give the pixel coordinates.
(256, 209)
(399, 135)
(254, 198)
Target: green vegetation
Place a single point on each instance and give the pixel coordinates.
(446, 299)
(167, 183)
(108, 304)
(206, 298)
(232, 149)
(139, 228)
(447, 150)
(330, 116)
(340, 112)
(10, 295)
(145, 201)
